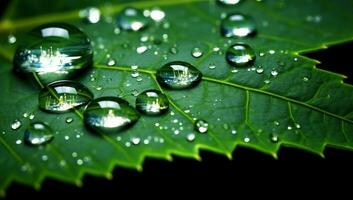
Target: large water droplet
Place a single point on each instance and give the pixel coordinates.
(53, 51)
(38, 134)
(178, 75)
(110, 115)
(152, 102)
(201, 126)
(238, 25)
(228, 2)
(240, 55)
(132, 19)
(62, 96)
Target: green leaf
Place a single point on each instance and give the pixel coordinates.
(302, 106)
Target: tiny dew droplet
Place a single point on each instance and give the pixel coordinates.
(201, 126)
(11, 39)
(228, 2)
(240, 55)
(62, 96)
(152, 102)
(274, 138)
(91, 15)
(305, 79)
(157, 15)
(190, 137)
(52, 52)
(111, 62)
(141, 49)
(69, 120)
(16, 124)
(38, 133)
(178, 75)
(238, 25)
(274, 72)
(110, 115)
(132, 19)
(260, 70)
(196, 52)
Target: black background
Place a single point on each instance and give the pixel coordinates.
(249, 173)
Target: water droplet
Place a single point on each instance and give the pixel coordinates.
(69, 120)
(31, 116)
(178, 75)
(289, 127)
(239, 55)
(16, 125)
(135, 74)
(196, 52)
(233, 132)
(262, 54)
(53, 52)
(157, 15)
(132, 19)
(110, 115)
(62, 96)
(11, 39)
(274, 138)
(173, 50)
(260, 70)
(141, 49)
(246, 139)
(274, 72)
(276, 123)
(297, 126)
(238, 25)
(228, 2)
(305, 79)
(111, 62)
(38, 133)
(136, 140)
(91, 15)
(44, 157)
(201, 126)
(18, 141)
(152, 102)
(190, 137)
(212, 66)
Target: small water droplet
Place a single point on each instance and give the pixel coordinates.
(110, 115)
(259, 70)
(132, 19)
(16, 125)
(289, 127)
(173, 50)
(305, 79)
(79, 161)
(141, 49)
(212, 66)
(136, 140)
(196, 52)
(274, 72)
(53, 52)
(38, 133)
(261, 54)
(267, 81)
(201, 126)
(233, 132)
(152, 102)
(276, 123)
(190, 137)
(272, 51)
(297, 126)
(229, 2)
(18, 141)
(111, 62)
(274, 138)
(44, 157)
(69, 120)
(157, 15)
(246, 139)
(239, 55)
(31, 116)
(135, 74)
(62, 96)
(238, 25)
(178, 75)
(91, 15)
(11, 39)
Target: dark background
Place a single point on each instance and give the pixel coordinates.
(250, 172)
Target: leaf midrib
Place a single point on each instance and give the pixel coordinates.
(246, 88)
